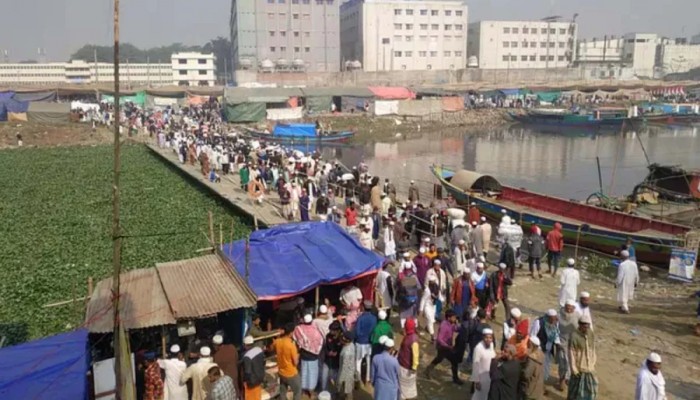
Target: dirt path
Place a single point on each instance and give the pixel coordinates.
(50, 135)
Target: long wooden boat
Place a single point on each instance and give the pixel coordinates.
(591, 227)
(568, 120)
(337, 136)
(667, 119)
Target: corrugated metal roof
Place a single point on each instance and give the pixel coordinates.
(203, 286)
(143, 303)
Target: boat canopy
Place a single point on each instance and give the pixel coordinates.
(470, 180)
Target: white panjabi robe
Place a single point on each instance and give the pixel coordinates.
(480, 370)
(569, 280)
(627, 278)
(650, 386)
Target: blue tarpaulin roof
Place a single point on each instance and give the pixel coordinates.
(303, 130)
(51, 368)
(292, 258)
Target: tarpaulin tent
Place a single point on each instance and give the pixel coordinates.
(548, 97)
(304, 130)
(40, 111)
(392, 92)
(36, 96)
(51, 368)
(245, 112)
(319, 104)
(138, 99)
(290, 259)
(284, 114)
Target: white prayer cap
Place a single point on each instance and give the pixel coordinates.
(382, 315)
(473, 203)
(217, 339)
(335, 207)
(323, 309)
(475, 223)
(421, 250)
(205, 351)
(406, 254)
(625, 253)
(248, 340)
(502, 266)
(482, 259)
(391, 223)
(585, 319)
(654, 357)
(461, 241)
(487, 331)
(324, 396)
(585, 295)
(552, 312)
(483, 219)
(503, 211)
(412, 181)
(437, 262)
(174, 349)
(467, 271)
(534, 340)
(570, 302)
(515, 312)
(382, 339)
(383, 194)
(571, 262)
(480, 265)
(426, 239)
(308, 318)
(389, 343)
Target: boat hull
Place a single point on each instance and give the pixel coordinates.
(655, 251)
(578, 121)
(335, 137)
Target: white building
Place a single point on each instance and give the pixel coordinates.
(603, 59)
(395, 35)
(695, 39)
(677, 56)
(193, 69)
(640, 52)
(522, 44)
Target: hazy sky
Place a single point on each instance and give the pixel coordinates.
(63, 26)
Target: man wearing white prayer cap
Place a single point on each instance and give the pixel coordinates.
(385, 373)
(310, 341)
(174, 367)
(226, 357)
(627, 280)
(583, 305)
(198, 373)
(486, 232)
(484, 352)
(583, 383)
(533, 373)
(460, 256)
(651, 384)
(569, 281)
(546, 330)
(253, 369)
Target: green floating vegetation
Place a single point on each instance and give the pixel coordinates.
(56, 215)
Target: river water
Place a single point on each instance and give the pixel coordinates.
(557, 162)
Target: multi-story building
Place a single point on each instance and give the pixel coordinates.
(522, 44)
(603, 58)
(394, 35)
(695, 39)
(130, 74)
(285, 35)
(640, 52)
(676, 56)
(193, 69)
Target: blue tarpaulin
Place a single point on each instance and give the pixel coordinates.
(52, 368)
(290, 259)
(301, 130)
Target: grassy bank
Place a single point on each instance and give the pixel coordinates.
(56, 214)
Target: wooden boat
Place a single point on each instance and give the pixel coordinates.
(666, 119)
(588, 226)
(300, 133)
(590, 121)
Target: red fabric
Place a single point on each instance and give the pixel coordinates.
(455, 103)
(474, 215)
(392, 93)
(523, 327)
(153, 383)
(351, 216)
(499, 289)
(555, 240)
(410, 326)
(534, 229)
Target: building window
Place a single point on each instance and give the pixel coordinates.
(447, 38)
(397, 11)
(423, 12)
(307, 34)
(526, 30)
(183, 72)
(533, 58)
(513, 44)
(448, 13)
(306, 16)
(523, 58)
(409, 54)
(513, 58)
(409, 12)
(295, 1)
(506, 44)
(459, 27)
(543, 31)
(397, 54)
(201, 61)
(397, 27)
(506, 58)
(409, 38)
(562, 45)
(283, 49)
(182, 61)
(202, 71)
(280, 1)
(561, 58)
(506, 30)
(295, 16)
(458, 54)
(297, 49)
(434, 13)
(543, 44)
(458, 38)
(424, 27)
(543, 58)
(433, 54)
(434, 27)
(525, 44)
(458, 13)
(533, 44)
(562, 31)
(307, 49)
(422, 54)
(409, 27)
(448, 27)
(422, 38)
(397, 38)
(448, 53)
(433, 38)
(551, 45)
(551, 58)
(552, 31)
(283, 15)
(272, 33)
(515, 30)
(296, 34)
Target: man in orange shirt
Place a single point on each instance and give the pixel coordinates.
(520, 340)
(287, 361)
(555, 244)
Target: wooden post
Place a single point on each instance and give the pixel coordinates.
(231, 241)
(317, 298)
(578, 236)
(221, 234)
(162, 342)
(212, 240)
(255, 222)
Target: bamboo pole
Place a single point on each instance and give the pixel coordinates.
(317, 299)
(212, 238)
(221, 234)
(162, 342)
(578, 237)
